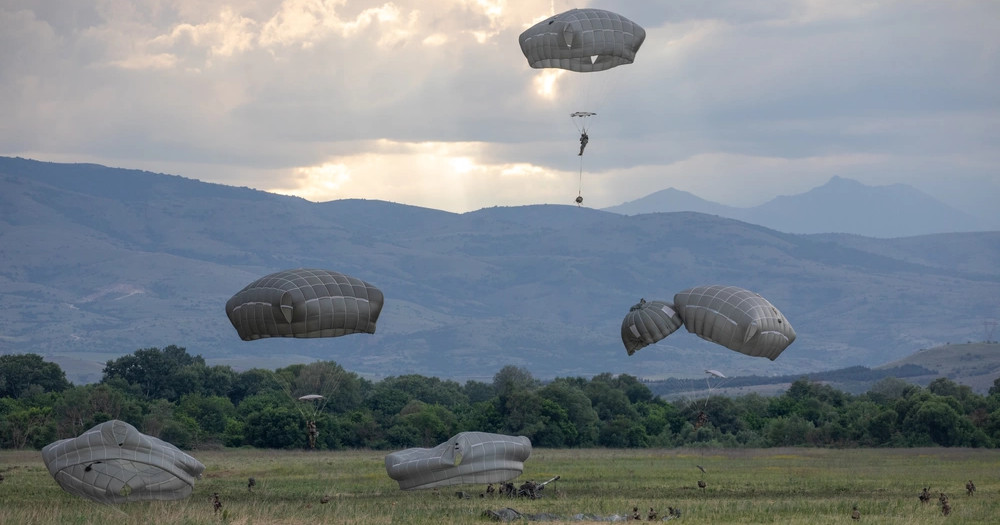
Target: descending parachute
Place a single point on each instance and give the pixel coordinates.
(305, 303)
(468, 457)
(735, 318)
(310, 397)
(582, 40)
(115, 463)
(648, 322)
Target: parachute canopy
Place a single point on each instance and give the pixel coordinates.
(735, 318)
(115, 463)
(582, 40)
(305, 303)
(468, 457)
(310, 397)
(648, 322)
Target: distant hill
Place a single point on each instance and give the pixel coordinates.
(976, 365)
(839, 206)
(98, 262)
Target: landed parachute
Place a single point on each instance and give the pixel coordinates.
(115, 463)
(305, 303)
(582, 40)
(735, 318)
(648, 322)
(466, 458)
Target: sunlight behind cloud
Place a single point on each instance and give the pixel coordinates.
(399, 171)
(547, 83)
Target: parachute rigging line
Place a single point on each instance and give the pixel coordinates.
(579, 120)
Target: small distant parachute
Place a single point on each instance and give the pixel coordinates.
(466, 458)
(582, 40)
(735, 318)
(115, 463)
(305, 303)
(648, 322)
(310, 397)
(715, 373)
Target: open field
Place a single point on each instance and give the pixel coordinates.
(791, 486)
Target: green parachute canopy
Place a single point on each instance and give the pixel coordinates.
(648, 322)
(115, 463)
(468, 457)
(735, 318)
(582, 40)
(305, 302)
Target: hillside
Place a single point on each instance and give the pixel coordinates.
(976, 365)
(839, 206)
(97, 262)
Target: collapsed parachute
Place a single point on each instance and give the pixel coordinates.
(735, 318)
(468, 457)
(582, 40)
(647, 323)
(305, 303)
(115, 463)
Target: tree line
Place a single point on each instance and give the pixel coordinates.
(173, 395)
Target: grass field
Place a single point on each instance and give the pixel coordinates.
(806, 485)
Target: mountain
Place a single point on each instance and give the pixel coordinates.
(98, 262)
(975, 365)
(672, 199)
(839, 206)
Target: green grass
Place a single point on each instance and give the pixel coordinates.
(792, 486)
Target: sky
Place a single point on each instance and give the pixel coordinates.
(432, 103)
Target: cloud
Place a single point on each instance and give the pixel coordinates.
(431, 102)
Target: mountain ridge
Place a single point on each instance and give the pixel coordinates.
(840, 205)
(87, 274)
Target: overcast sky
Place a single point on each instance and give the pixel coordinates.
(431, 103)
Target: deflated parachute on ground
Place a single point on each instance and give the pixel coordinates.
(305, 303)
(647, 323)
(115, 463)
(735, 318)
(582, 40)
(468, 457)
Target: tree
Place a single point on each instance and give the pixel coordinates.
(209, 413)
(255, 381)
(431, 424)
(579, 411)
(81, 407)
(158, 373)
(275, 427)
(30, 426)
(340, 388)
(609, 401)
(18, 372)
(511, 379)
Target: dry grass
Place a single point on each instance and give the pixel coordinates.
(792, 486)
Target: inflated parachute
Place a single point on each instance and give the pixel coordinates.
(648, 322)
(468, 457)
(305, 303)
(115, 463)
(582, 40)
(735, 318)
